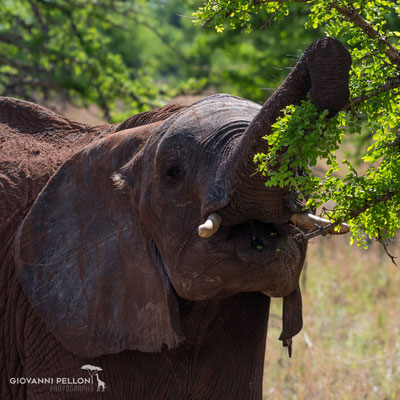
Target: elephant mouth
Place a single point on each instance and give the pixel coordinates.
(258, 234)
(256, 242)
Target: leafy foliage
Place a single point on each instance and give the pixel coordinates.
(238, 13)
(299, 130)
(130, 56)
(59, 46)
(369, 202)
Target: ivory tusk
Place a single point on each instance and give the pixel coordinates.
(211, 226)
(310, 222)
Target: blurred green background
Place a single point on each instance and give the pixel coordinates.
(129, 56)
(104, 60)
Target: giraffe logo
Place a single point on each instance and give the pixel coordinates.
(94, 371)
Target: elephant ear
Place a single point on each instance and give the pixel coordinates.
(87, 266)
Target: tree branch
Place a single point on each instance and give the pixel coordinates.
(10, 39)
(36, 11)
(352, 15)
(21, 66)
(389, 85)
(35, 83)
(324, 230)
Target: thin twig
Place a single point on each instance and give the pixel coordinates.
(271, 18)
(380, 240)
(321, 230)
(207, 22)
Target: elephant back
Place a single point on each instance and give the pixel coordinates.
(34, 142)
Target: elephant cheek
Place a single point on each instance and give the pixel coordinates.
(198, 273)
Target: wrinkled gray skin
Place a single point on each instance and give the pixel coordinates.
(189, 158)
(110, 258)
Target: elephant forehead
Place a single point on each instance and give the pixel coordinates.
(207, 116)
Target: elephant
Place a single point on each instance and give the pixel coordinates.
(148, 251)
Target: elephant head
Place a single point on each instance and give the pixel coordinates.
(173, 208)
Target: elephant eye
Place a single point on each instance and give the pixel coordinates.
(174, 172)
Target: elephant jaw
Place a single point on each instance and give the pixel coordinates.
(271, 248)
(261, 256)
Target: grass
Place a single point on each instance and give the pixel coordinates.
(349, 347)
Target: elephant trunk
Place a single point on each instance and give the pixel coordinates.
(322, 71)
